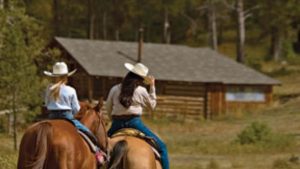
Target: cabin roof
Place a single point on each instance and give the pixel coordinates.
(166, 62)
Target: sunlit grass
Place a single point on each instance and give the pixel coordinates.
(8, 156)
(201, 144)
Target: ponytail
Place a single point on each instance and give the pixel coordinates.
(55, 89)
(129, 84)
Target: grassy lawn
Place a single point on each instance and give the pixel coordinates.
(199, 144)
(8, 157)
(210, 144)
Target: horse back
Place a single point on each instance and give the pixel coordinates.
(139, 153)
(53, 144)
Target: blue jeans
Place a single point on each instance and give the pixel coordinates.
(137, 123)
(69, 116)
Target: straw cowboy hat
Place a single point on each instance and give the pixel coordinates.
(60, 69)
(138, 69)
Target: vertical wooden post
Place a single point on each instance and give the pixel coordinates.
(103, 88)
(90, 88)
(216, 99)
(206, 102)
(268, 95)
(140, 45)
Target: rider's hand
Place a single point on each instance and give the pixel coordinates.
(150, 80)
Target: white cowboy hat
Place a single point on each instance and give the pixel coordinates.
(138, 69)
(60, 69)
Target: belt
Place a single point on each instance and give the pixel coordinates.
(124, 117)
(59, 111)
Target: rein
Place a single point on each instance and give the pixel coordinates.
(103, 150)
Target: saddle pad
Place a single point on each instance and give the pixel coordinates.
(92, 146)
(136, 133)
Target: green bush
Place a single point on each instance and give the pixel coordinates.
(255, 133)
(213, 164)
(259, 136)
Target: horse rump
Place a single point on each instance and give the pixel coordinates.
(118, 155)
(34, 146)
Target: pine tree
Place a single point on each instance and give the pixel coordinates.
(20, 43)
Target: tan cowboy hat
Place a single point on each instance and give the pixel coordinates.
(138, 69)
(60, 69)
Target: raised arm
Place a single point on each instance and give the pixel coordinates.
(149, 99)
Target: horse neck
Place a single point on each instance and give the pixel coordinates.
(99, 131)
(87, 120)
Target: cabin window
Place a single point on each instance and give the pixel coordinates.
(245, 94)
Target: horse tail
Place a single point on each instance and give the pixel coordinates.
(34, 146)
(118, 155)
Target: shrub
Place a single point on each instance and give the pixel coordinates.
(255, 133)
(281, 164)
(213, 164)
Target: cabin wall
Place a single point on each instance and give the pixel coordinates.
(215, 99)
(258, 96)
(102, 86)
(183, 98)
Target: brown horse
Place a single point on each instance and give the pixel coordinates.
(56, 144)
(131, 153)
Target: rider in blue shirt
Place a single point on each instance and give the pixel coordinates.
(61, 100)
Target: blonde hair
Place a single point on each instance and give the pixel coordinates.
(55, 88)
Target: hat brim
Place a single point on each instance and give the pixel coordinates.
(130, 67)
(50, 74)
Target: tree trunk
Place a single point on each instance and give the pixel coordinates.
(91, 19)
(117, 34)
(276, 44)
(240, 31)
(221, 33)
(298, 35)
(15, 120)
(213, 36)
(167, 35)
(6, 4)
(104, 25)
(55, 18)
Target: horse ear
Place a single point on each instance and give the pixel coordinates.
(99, 105)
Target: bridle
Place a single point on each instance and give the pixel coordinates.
(100, 123)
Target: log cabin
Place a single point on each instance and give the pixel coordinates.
(191, 81)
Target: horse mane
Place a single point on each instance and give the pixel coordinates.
(86, 105)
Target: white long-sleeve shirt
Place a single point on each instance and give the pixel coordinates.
(67, 99)
(141, 98)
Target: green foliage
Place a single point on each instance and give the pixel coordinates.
(213, 164)
(20, 44)
(261, 136)
(288, 51)
(255, 133)
(188, 20)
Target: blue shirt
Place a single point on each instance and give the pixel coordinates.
(67, 100)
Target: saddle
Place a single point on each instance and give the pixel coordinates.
(136, 133)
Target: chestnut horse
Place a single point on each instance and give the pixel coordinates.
(131, 153)
(56, 144)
